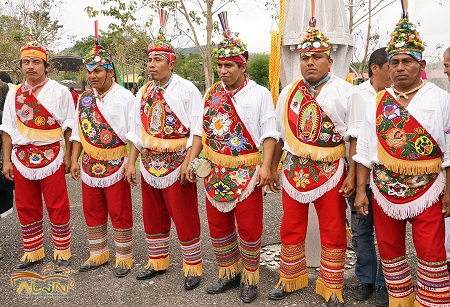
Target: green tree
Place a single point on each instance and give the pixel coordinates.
(258, 68)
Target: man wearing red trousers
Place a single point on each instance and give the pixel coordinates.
(312, 114)
(101, 129)
(38, 114)
(164, 112)
(409, 122)
(238, 117)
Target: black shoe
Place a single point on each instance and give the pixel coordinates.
(60, 264)
(448, 266)
(147, 274)
(120, 271)
(277, 294)
(24, 265)
(381, 297)
(191, 282)
(248, 292)
(86, 267)
(363, 292)
(334, 302)
(224, 284)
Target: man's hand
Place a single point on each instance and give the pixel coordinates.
(264, 176)
(129, 171)
(274, 184)
(349, 186)
(361, 203)
(8, 170)
(67, 163)
(446, 204)
(75, 170)
(184, 172)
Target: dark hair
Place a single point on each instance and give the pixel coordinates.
(378, 57)
(447, 51)
(245, 54)
(71, 88)
(4, 76)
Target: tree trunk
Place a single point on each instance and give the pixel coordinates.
(366, 50)
(207, 65)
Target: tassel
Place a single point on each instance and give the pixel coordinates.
(38, 134)
(250, 278)
(408, 301)
(98, 259)
(125, 263)
(291, 285)
(158, 264)
(33, 256)
(63, 254)
(162, 145)
(326, 292)
(192, 270)
(103, 153)
(231, 271)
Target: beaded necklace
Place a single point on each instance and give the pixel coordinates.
(31, 89)
(312, 87)
(405, 94)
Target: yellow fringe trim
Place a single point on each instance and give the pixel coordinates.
(192, 270)
(408, 301)
(158, 264)
(300, 149)
(97, 260)
(33, 256)
(291, 285)
(230, 161)
(326, 292)
(63, 254)
(231, 271)
(126, 263)
(250, 278)
(162, 145)
(406, 167)
(104, 153)
(38, 134)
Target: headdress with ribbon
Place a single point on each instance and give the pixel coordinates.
(98, 56)
(34, 49)
(230, 47)
(161, 45)
(405, 39)
(314, 40)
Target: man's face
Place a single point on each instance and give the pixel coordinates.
(33, 69)
(100, 78)
(447, 65)
(159, 67)
(230, 73)
(382, 75)
(404, 70)
(315, 66)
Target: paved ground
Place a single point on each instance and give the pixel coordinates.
(100, 287)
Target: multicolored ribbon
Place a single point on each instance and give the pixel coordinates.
(404, 8)
(223, 17)
(163, 16)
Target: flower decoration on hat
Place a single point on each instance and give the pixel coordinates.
(405, 39)
(230, 46)
(161, 45)
(314, 40)
(34, 49)
(98, 56)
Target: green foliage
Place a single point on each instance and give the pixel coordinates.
(258, 68)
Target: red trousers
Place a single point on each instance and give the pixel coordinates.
(30, 211)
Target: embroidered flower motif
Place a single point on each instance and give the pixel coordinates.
(168, 130)
(98, 169)
(301, 179)
(86, 125)
(49, 154)
(336, 138)
(85, 158)
(396, 138)
(115, 162)
(391, 111)
(397, 189)
(86, 101)
(220, 124)
(105, 137)
(222, 189)
(303, 162)
(217, 100)
(25, 113)
(327, 125)
(92, 133)
(97, 117)
(36, 158)
(147, 109)
(39, 121)
(240, 176)
(170, 120)
(21, 155)
(379, 120)
(21, 98)
(157, 167)
(237, 142)
(424, 145)
(324, 136)
(382, 176)
(51, 121)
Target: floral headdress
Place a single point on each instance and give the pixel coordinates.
(405, 39)
(161, 45)
(34, 49)
(314, 40)
(229, 47)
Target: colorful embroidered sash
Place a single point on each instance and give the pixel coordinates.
(305, 174)
(226, 140)
(35, 157)
(404, 145)
(162, 130)
(310, 132)
(161, 164)
(96, 168)
(97, 136)
(34, 121)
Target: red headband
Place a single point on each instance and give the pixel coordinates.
(237, 59)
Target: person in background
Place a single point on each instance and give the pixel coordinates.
(74, 96)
